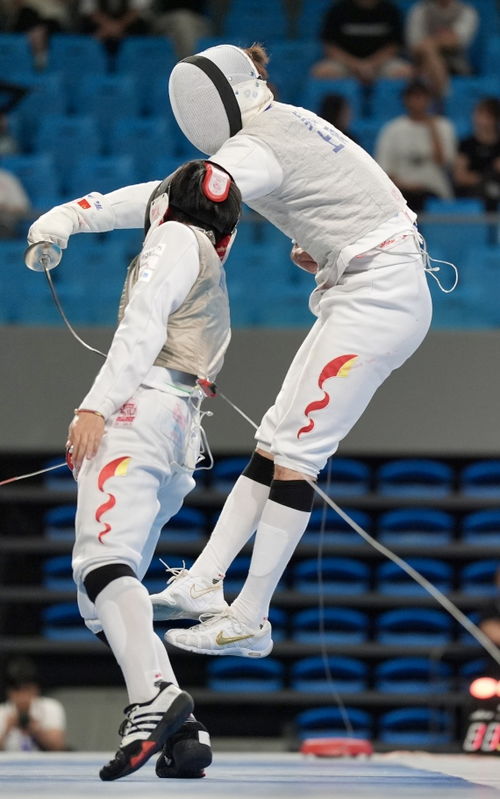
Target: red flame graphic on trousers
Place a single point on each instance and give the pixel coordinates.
(106, 472)
(332, 369)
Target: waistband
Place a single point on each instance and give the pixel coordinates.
(170, 380)
(181, 378)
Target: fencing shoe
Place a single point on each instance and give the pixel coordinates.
(186, 753)
(187, 597)
(224, 634)
(146, 728)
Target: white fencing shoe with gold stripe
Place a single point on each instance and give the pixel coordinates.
(224, 634)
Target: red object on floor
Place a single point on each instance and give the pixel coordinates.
(336, 747)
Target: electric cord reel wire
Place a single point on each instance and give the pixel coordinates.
(44, 256)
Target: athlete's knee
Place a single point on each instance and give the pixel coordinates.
(97, 579)
(285, 473)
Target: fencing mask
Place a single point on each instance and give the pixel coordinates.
(214, 94)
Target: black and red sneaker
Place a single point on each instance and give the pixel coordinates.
(187, 753)
(147, 727)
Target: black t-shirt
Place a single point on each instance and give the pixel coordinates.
(362, 31)
(480, 157)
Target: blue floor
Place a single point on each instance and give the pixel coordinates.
(26, 776)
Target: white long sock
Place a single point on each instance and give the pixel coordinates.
(278, 533)
(126, 615)
(236, 524)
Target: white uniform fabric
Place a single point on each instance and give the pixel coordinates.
(368, 324)
(143, 468)
(47, 712)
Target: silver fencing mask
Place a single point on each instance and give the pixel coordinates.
(214, 94)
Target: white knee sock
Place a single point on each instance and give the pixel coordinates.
(280, 530)
(236, 524)
(126, 615)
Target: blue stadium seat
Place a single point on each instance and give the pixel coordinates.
(414, 626)
(143, 138)
(279, 622)
(482, 528)
(245, 674)
(37, 173)
(479, 577)
(59, 522)
(62, 622)
(76, 55)
(336, 530)
(472, 669)
(464, 635)
(15, 55)
(391, 579)
(188, 525)
(226, 471)
(343, 674)
(58, 479)
(311, 17)
(107, 98)
(423, 526)
(366, 132)
(416, 726)
(323, 722)
(415, 477)
(261, 19)
(317, 88)
(341, 626)
(142, 57)
(57, 573)
(386, 99)
(100, 173)
(340, 576)
(347, 476)
(236, 574)
(65, 138)
(481, 478)
(289, 67)
(465, 93)
(413, 675)
(46, 94)
(480, 281)
(491, 55)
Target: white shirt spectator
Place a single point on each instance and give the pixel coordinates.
(427, 18)
(47, 712)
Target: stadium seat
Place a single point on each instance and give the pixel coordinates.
(481, 478)
(244, 674)
(59, 522)
(342, 674)
(386, 101)
(465, 93)
(144, 56)
(339, 576)
(391, 579)
(37, 173)
(59, 479)
(157, 575)
(65, 138)
(57, 573)
(366, 132)
(419, 526)
(188, 525)
(226, 471)
(311, 18)
(317, 88)
(479, 577)
(413, 627)
(347, 476)
(15, 55)
(263, 20)
(464, 635)
(340, 626)
(323, 722)
(482, 528)
(144, 138)
(472, 669)
(100, 173)
(62, 622)
(336, 530)
(413, 675)
(76, 55)
(236, 574)
(415, 726)
(279, 622)
(415, 477)
(107, 98)
(46, 95)
(289, 67)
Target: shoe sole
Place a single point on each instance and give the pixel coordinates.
(228, 650)
(172, 720)
(190, 758)
(164, 612)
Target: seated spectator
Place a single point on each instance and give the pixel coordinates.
(29, 721)
(10, 95)
(477, 166)
(111, 20)
(14, 204)
(38, 19)
(184, 21)
(335, 108)
(417, 149)
(362, 38)
(439, 33)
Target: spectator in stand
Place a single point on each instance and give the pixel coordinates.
(183, 21)
(336, 109)
(38, 19)
(362, 38)
(439, 34)
(477, 166)
(417, 149)
(14, 204)
(10, 95)
(111, 20)
(28, 721)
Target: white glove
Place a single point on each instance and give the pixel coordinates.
(56, 226)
